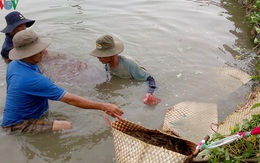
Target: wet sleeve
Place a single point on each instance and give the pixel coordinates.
(151, 84)
(46, 88)
(137, 72)
(6, 47)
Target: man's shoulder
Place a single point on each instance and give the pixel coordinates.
(127, 57)
(13, 63)
(130, 60)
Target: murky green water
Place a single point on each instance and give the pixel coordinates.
(179, 42)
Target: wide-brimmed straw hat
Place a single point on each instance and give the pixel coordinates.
(27, 43)
(107, 47)
(14, 19)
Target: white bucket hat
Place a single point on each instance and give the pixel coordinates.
(26, 44)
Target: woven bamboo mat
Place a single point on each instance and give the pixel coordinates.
(191, 120)
(234, 73)
(243, 112)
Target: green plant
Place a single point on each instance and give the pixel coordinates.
(238, 151)
(255, 12)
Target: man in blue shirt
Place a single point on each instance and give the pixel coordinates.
(107, 51)
(28, 91)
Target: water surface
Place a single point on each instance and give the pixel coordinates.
(179, 42)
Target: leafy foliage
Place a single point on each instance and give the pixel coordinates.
(255, 12)
(241, 150)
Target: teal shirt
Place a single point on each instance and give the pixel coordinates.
(128, 68)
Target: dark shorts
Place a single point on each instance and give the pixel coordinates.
(34, 125)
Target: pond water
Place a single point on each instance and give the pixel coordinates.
(179, 42)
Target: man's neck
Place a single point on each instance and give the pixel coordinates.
(114, 61)
(29, 61)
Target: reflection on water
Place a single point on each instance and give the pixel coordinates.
(57, 147)
(114, 90)
(168, 38)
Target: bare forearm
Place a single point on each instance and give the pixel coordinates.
(81, 102)
(85, 103)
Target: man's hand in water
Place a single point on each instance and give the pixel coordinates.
(150, 99)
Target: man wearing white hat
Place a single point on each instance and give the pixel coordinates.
(28, 90)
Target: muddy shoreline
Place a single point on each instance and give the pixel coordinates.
(249, 8)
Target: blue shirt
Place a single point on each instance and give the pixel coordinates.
(28, 92)
(7, 46)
